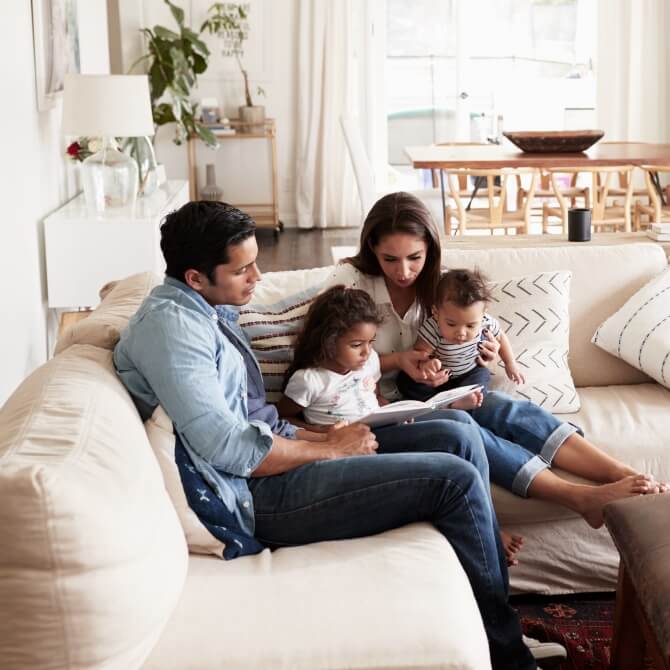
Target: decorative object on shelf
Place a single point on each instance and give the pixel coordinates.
(554, 141)
(211, 191)
(108, 106)
(174, 61)
(209, 110)
(579, 224)
(229, 21)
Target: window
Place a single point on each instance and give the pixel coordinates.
(458, 70)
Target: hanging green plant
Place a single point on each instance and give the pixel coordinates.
(174, 61)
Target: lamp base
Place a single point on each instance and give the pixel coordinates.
(110, 180)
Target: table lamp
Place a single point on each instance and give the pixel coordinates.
(108, 106)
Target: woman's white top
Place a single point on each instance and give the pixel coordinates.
(395, 333)
(329, 397)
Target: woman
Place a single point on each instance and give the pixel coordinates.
(398, 264)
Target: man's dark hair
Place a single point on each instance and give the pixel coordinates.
(462, 287)
(330, 316)
(197, 236)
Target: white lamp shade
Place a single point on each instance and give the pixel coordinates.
(107, 105)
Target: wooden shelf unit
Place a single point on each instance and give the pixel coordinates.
(266, 214)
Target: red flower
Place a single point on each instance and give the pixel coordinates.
(74, 149)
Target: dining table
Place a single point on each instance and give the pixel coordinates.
(497, 156)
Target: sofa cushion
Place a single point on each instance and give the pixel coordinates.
(161, 436)
(628, 422)
(534, 313)
(119, 301)
(603, 277)
(93, 557)
(395, 600)
(639, 332)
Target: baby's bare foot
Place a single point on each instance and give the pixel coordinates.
(512, 545)
(471, 401)
(594, 498)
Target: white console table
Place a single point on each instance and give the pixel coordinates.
(83, 252)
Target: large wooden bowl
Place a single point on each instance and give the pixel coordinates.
(554, 141)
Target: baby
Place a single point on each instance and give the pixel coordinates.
(452, 336)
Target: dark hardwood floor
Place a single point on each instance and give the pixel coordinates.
(296, 249)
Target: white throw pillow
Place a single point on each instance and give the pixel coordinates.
(533, 311)
(639, 333)
(161, 436)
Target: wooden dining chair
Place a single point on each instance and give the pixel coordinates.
(658, 209)
(603, 214)
(618, 191)
(544, 191)
(495, 214)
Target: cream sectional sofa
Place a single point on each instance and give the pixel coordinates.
(94, 569)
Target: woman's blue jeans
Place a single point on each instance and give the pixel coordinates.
(520, 439)
(443, 480)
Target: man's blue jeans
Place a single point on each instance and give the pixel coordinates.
(360, 496)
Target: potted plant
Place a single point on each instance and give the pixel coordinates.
(227, 19)
(174, 61)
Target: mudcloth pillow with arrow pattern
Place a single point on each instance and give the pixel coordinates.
(534, 314)
(639, 332)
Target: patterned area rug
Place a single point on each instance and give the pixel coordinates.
(582, 623)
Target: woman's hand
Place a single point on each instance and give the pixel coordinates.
(410, 363)
(488, 351)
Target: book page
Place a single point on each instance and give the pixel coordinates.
(396, 412)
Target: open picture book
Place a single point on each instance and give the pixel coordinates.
(397, 412)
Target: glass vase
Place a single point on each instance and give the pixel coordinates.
(141, 150)
(109, 179)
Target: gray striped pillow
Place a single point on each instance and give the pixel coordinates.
(271, 330)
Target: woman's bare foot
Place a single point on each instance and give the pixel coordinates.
(592, 499)
(512, 545)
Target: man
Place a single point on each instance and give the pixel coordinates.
(276, 485)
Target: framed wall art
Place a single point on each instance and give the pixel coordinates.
(56, 47)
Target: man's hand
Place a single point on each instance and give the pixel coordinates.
(488, 351)
(350, 440)
(412, 362)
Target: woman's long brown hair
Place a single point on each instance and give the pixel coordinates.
(401, 213)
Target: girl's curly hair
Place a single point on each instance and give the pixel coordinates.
(332, 314)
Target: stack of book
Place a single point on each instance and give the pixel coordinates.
(659, 232)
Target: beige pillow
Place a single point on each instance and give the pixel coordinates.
(93, 557)
(120, 300)
(161, 436)
(639, 332)
(533, 311)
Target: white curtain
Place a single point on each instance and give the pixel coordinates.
(325, 187)
(633, 95)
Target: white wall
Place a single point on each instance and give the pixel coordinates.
(34, 180)
(242, 166)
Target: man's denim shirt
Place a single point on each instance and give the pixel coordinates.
(193, 360)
